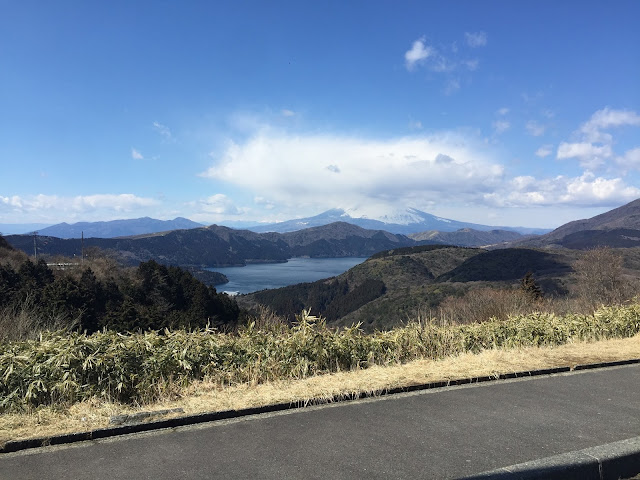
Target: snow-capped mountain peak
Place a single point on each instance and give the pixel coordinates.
(387, 215)
(393, 220)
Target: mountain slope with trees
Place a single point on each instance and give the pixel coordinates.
(619, 227)
(101, 294)
(412, 278)
(460, 284)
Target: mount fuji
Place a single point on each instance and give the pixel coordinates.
(404, 222)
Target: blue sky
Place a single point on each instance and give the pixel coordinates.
(503, 113)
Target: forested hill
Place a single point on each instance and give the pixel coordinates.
(4, 244)
(392, 286)
(222, 246)
(101, 294)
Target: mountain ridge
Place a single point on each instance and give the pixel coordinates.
(619, 227)
(117, 228)
(422, 221)
(223, 246)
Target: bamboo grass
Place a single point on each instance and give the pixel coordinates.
(137, 368)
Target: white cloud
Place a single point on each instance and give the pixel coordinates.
(419, 52)
(73, 206)
(264, 203)
(475, 40)
(595, 145)
(503, 111)
(15, 201)
(586, 190)
(606, 119)
(287, 113)
(631, 159)
(163, 130)
(444, 60)
(218, 204)
(571, 150)
(544, 151)
(415, 124)
(298, 170)
(590, 156)
(136, 155)
(535, 129)
(501, 126)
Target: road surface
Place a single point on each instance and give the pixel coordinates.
(444, 433)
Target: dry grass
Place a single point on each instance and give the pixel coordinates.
(208, 397)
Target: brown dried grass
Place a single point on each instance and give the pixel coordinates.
(209, 397)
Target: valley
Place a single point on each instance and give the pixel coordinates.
(404, 276)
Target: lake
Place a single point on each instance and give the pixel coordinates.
(254, 277)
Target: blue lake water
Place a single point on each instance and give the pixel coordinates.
(254, 277)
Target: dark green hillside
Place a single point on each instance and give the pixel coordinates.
(395, 286)
(507, 264)
(399, 306)
(388, 287)
(4, 244)
(403, 267)
(408, 250)
(616, 238)
(333, 298)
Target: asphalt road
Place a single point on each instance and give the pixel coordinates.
(444, 433)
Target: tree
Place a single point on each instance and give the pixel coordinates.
(599, 277)
(530, 288)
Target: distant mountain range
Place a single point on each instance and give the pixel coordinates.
(403, 222)
(619, 227)
(117, 228)
(223, 246)
(218, 246)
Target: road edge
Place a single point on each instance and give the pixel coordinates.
(611, 461)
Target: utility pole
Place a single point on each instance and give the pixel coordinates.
(82, 249)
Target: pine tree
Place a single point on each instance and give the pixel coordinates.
(529, 286)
